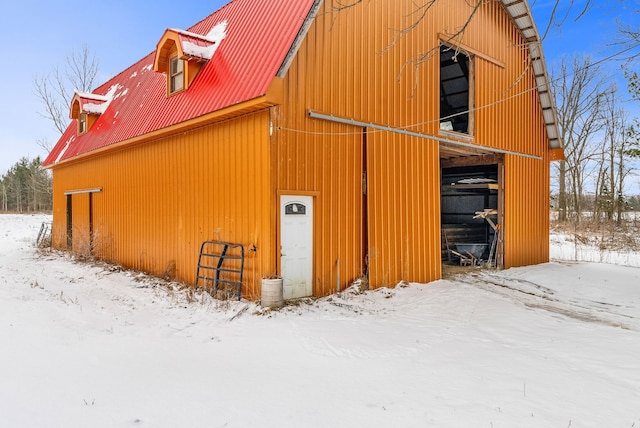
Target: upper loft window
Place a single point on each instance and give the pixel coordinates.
(82, 123)
(456, 90)
(86, 107)
(177, 75)
(180, 55)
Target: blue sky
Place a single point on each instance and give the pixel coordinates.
(38, 34)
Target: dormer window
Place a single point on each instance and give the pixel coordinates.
(180, 55)
(82, 123)
(86, 108)
(177, 75)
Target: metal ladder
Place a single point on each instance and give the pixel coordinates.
(220, 268)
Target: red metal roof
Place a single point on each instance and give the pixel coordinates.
(259, 34)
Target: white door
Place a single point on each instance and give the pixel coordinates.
(296, 245)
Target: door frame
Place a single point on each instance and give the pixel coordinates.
(315, 196)
(69, 215)
(479, 161)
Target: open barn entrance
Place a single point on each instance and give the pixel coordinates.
(471, 211)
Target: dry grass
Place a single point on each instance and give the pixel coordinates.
(603, 235)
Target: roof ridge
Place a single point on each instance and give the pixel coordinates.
(190, 29)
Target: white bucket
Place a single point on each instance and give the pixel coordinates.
(271, 293)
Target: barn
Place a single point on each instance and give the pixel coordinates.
(318, 141)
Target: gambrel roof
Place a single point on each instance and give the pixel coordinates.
(239, 75)
(521, 14)
(259, 35)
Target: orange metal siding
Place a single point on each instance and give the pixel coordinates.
(353, 64)
(161, 199)
(526, 225)
(404, 210)
(331, 169)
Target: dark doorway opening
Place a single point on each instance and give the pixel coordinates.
(455, 83)
(470, 209)
(69, 222)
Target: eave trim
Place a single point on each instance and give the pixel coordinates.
(271, 98)
(522, 18)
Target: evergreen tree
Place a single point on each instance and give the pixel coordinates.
(26, 187)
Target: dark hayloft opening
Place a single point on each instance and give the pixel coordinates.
(454, 90)
(467, 191)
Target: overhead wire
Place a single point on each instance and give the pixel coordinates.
(492, 104)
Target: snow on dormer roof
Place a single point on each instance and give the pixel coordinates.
(199, 46)
(92, 103)
(87, 102)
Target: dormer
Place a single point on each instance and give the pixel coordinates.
(180, 55)
(86, 108)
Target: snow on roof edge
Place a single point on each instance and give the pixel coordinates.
(215, 36)
(91, 96)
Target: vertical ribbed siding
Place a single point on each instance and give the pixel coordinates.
(59, 200)
(404, 209)
(330, 169)
(355, 64)
(162, 199)
(526, 225)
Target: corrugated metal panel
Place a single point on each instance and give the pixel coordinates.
(354, 65)
(351, 65)
(331, 170)
(259, 35)
(192, 188)
(526, 225)
(404, 210)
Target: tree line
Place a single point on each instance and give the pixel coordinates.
(26, 187)
(601, 142)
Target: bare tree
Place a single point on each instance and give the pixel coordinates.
(56, 89)
(579, 88)
(4, 206)
(605, 198)
(616, 134)
(44, 144)
(618, 147)
(561, 11)
(629, 33)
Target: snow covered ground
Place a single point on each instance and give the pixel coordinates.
(565, 247)
(555, 345)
